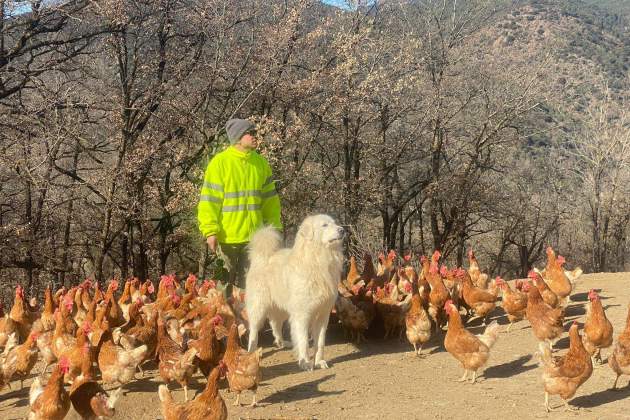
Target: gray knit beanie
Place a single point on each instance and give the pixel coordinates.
(236, 128)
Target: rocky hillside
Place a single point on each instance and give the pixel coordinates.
(580, 32)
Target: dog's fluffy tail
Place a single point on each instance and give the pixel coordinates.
(264, 243)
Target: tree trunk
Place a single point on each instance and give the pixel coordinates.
(141, 265)
(63, 276)
(387, 227)
(523, 253)
(401, 233)
(436, 154)
(124, 252)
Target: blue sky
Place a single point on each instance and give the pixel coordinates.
(338, 3)
(341, 3)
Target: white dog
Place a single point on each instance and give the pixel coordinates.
(298, 284)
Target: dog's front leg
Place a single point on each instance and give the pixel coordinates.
(319, 334)
(299, 336)
(255, 323)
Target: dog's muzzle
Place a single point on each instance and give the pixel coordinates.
(341, 233)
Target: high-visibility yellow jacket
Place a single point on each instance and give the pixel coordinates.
(237, 197)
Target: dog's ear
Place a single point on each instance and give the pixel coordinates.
(306, 230)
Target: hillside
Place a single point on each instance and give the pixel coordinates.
(579, 33)
(581, 41)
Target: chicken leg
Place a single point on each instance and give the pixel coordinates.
(238, 400)
(474, 377)
(547, 401)
(614, 387)
(463, 378)
(417, 349)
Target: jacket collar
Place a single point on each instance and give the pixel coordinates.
(235, 152)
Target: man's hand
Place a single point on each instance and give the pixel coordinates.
(212, 243)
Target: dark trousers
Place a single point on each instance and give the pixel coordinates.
(236, 263)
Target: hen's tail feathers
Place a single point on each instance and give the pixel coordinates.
(405, 304)
(35, 391)
(127, 342)
(490, 335)
(573, 275)
(12, 342)
(189, 356)
(165, 394)
(113, 398)
(264, 243)
(133, 357)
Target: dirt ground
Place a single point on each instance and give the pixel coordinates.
(382, 380)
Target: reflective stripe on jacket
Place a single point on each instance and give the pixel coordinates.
(237, 197)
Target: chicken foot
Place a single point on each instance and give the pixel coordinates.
(568, 407)
(417, 350)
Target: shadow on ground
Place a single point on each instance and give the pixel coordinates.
(510, 369)
(600, 398)
(303, 391)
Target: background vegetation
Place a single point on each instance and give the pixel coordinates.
(501, 126)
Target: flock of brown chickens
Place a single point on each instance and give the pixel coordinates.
(84, 332)
(93, 338)
(423, 304)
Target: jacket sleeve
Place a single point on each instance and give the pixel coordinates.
(270, 201)
(211, 200)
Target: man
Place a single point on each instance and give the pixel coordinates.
(238, 196)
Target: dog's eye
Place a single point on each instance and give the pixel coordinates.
(325, 225)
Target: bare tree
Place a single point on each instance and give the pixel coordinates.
(601, 152)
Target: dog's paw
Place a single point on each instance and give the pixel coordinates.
(279, 344)
(305, 365)
(322, 364)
